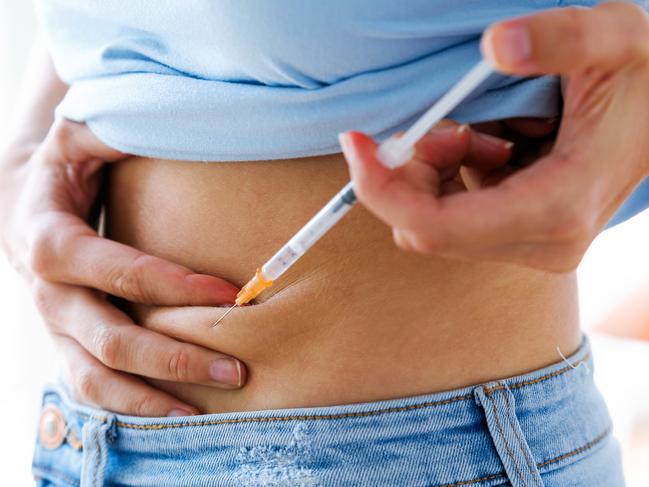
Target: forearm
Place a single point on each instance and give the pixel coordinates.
(41, 92)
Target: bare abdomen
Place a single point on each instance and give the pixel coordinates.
(343, 325)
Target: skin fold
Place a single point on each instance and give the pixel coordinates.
(484, 289)
(356, 319)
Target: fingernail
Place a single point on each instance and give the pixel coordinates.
(343, 139)
(462, 128)
(510, 45)
(226, 371)
(179, 412)
(347, 147)
(213, 287)
(495, 141)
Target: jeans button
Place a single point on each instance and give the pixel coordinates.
(51, 431)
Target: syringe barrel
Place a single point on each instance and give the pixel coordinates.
(395, 152)
(310, 233)
(448, 102)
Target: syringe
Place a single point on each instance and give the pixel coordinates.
(393, 152)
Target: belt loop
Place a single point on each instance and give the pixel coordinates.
(97, 432)
(498, 404)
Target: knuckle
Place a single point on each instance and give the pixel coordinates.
(42, 252)
(107, 346)
(51, 241)
(126, 284)
(178, 366)
(63, 136)
(128, 281)
(85, 384)
(144, 405)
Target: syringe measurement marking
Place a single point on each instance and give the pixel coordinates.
(292, 253)
(341, 203)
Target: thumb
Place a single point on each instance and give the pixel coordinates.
(566, 40)
(74, 143)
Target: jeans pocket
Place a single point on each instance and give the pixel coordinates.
(58, 453)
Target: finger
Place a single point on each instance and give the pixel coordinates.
(449, 147)
(444, 146)
(492, 127)
(497, 176)
(568, 40)
(452, 187)
(522, 208)
(194, 324)
(383, 191)
(446, 150)
(70, 142)
(547, 203)
(65, 249)
(93, 383)
(112, 338)
(400, 200)
(120, 345)
(533, 127)
(438, 156)
(487, 151)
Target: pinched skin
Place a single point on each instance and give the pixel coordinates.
(357, 319)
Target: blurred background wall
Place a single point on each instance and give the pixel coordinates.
(616, 265)
(26, 354)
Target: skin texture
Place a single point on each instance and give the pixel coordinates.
(49, 180)
(50, 176)
(571, 192)
(356, 319)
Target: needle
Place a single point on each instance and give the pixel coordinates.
(393, 153)
(224, 315)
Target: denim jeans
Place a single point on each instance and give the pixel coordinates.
(546, 428)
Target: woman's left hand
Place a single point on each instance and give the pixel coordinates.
(545, 215)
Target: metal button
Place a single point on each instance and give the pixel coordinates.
(51, 431)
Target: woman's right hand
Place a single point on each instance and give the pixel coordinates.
(46, 197)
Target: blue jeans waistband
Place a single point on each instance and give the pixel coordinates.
(513, 430)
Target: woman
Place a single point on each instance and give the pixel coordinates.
(364, 365)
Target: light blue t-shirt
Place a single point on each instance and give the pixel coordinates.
(230, 80)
